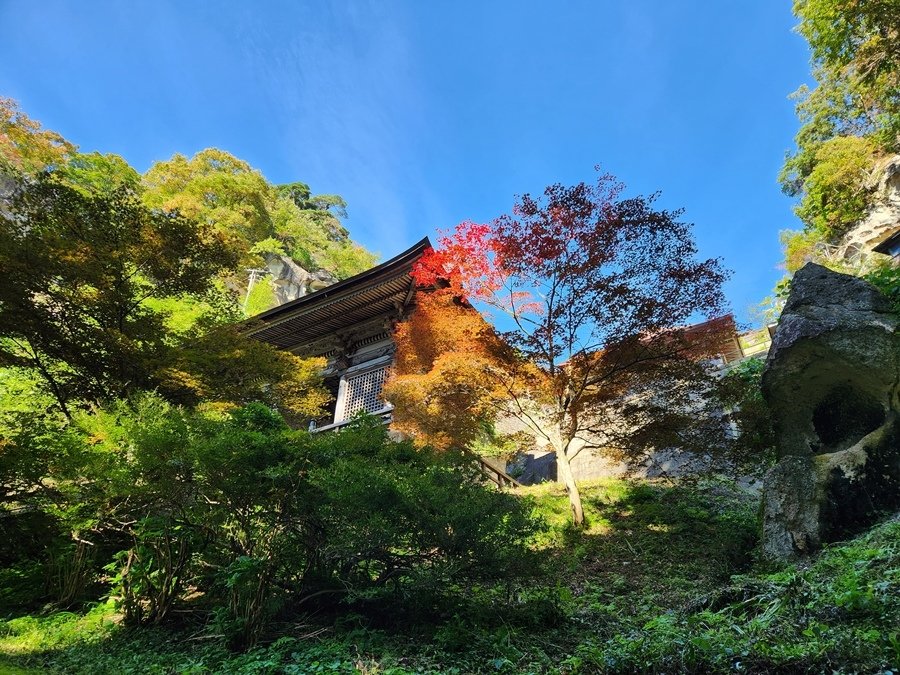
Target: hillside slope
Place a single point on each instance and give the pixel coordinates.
(651, 586)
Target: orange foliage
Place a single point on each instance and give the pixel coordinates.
(445, 376)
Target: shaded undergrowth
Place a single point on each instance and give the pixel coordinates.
(664, 579)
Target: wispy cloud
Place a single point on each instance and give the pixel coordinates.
(343, 91)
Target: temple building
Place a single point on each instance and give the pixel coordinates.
(350, 324)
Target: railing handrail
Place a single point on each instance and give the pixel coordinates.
(500, 477)
(343, 423)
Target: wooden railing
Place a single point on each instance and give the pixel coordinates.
(495, 474)
(384, 414)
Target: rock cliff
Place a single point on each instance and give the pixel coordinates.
(883, 218)
(290, 281)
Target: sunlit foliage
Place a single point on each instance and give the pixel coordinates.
(241, 520)
(443, 382)
(77, 270)
(852, 116)
(26, 147)
(225, 192)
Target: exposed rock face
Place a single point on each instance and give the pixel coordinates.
(291, 281)
(883, 218)
(831, 380)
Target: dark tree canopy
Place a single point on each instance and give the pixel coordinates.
(78, 271)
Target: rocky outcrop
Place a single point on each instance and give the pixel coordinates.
(831, 381)
(290, 281)
(883, 218)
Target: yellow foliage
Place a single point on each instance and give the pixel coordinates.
(25, 146)
(225, 367)
(801, 247)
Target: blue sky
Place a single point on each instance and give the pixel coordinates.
(424, 113)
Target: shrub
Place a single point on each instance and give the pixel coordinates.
(753, 451)
(249, 517)
(835, 192)
(886, 278)
(393, 512)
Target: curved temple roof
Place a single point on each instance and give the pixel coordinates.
(383, 290)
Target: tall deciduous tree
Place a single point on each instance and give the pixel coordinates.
(594, 288)
(90, 286)
(213, 187)
(93, 172)
(25, 147)
(859, 42)
(103, 294)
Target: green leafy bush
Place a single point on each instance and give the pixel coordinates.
(887, 279)
(647, 589)
(753, 451)
(835, 195)
(242, 514)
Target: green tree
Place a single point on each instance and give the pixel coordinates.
(859, 40)
(78, 271)
(103, 296)
(852, 116)
(107, 291)
(97, 173)
(253, 217)
(799, 247)
(753, 449)
(216, 189)
(228, 194)
(597, 288)
(218, 365)
(835, 193)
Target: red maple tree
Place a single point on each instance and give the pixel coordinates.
(596, 289)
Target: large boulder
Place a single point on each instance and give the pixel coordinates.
(832, 379)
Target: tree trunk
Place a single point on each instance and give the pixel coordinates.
(565, 472)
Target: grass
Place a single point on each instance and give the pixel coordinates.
(663, 580)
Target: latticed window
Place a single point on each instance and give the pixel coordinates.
(363, 392)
